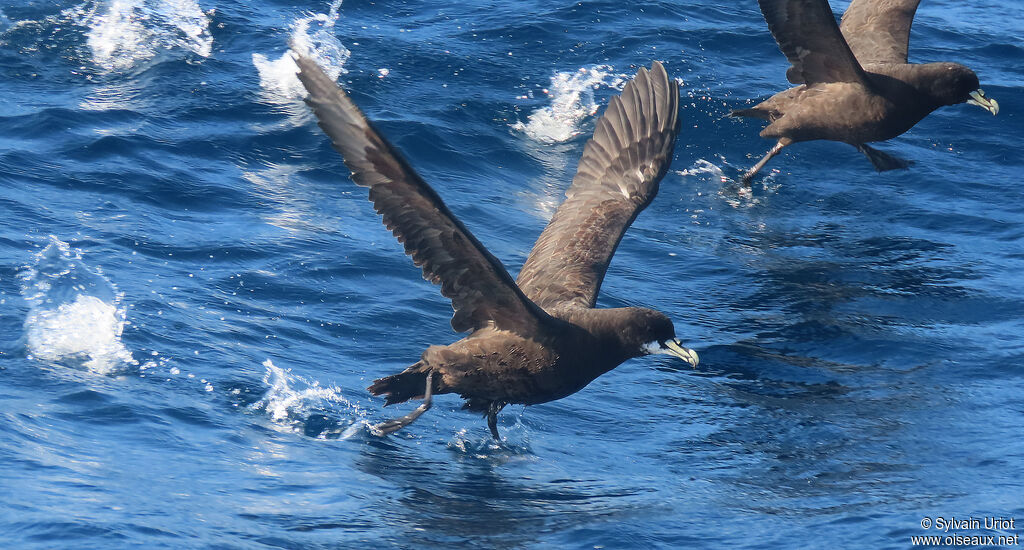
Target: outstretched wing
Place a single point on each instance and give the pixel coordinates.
(808, 35)
(617, 177)
(878, 31)
(481, 290)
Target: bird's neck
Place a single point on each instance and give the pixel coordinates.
(609, 331)
(915, 82)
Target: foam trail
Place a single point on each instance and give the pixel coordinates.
(292, 403)
(572, 100)
(75, 314)
(123, 33)
(277, 77)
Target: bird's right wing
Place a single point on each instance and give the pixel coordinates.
(808, 35)
(481, 290)
(878, 31)
(617, 177)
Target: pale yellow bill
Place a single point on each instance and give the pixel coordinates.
(675, 347)
(978, 98)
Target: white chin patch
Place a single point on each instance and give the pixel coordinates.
(653, 347)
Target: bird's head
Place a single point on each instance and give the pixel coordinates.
(652, 332)
(954, 83)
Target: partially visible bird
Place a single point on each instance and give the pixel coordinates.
(539, 338)
(854, 82)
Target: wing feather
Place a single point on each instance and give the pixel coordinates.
(617, 177)
(878, 31)
(481, 290)
(808, 35)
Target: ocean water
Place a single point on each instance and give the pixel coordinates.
(193, 296)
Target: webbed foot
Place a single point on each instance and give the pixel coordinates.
(883, 161)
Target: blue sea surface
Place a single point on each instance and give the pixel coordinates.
(194, 297)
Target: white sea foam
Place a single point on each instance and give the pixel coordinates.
(75, 314)
(123, 33)
(290, 400)
(313, 36)
(732, 191)
(572, 100)
(701, 167)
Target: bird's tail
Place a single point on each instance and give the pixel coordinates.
(399, 388)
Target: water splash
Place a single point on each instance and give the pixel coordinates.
(298, 405)
(572, 100)
(731, 190)
(76, 316)
(277, 77)
(123, 33)
(473, 443)
(702, 167)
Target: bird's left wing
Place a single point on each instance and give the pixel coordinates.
(878, 31)
(808, 35)
(481, 290)
(617, 177)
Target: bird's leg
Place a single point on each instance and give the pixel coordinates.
(396, 424)
(492, 418)
(883, 161)
(764, 160)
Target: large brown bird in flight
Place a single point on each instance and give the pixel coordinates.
(538, 338)
(854, 83)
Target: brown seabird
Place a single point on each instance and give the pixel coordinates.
(855, 84)
(539, 338)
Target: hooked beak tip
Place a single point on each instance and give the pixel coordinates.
(675, 347)
(978, 98)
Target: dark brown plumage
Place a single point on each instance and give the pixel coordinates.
(539, 339)
(854, 82)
